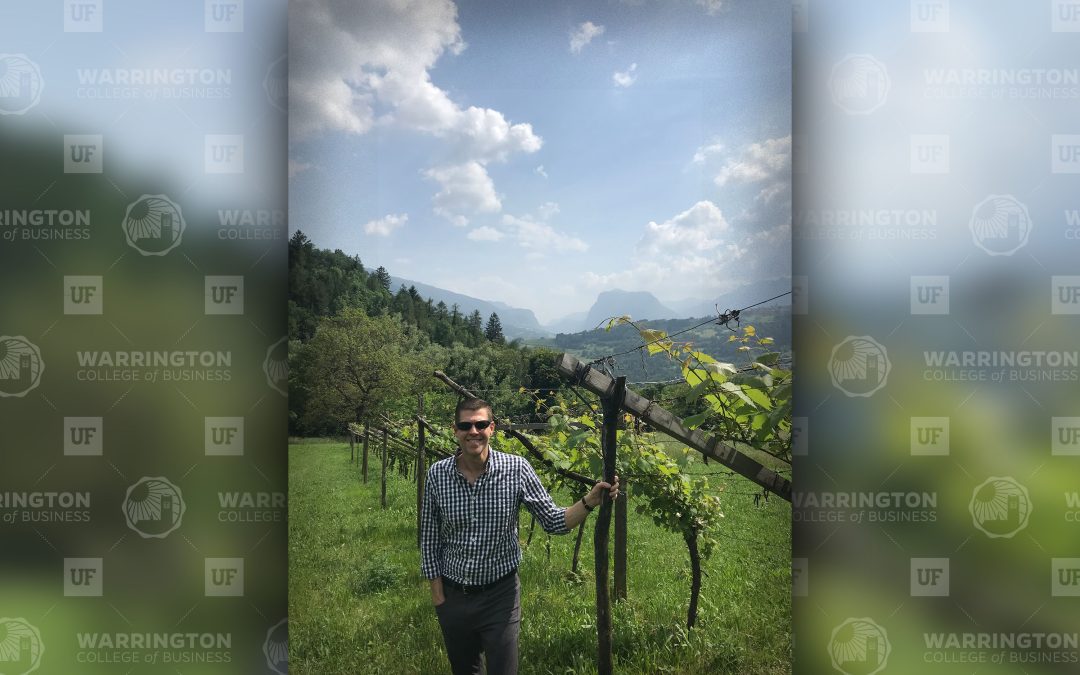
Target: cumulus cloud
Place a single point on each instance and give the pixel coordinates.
(704, 152)
(627, 77)
(485, 233)
(547, 210)
(583, 35)
(540, 237)
(385, 225)
(758, 162)
(701, 247)
(540, 171)
(465, 189)
(354, 65)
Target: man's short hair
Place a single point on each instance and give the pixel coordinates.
(471, 404)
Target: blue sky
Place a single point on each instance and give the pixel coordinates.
(539, 153)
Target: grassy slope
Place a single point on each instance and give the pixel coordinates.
(357, 603)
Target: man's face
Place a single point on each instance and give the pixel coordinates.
(473, 441)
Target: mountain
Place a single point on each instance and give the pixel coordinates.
(638, 304)
(743, 296)
(516, 322)
(571, 323)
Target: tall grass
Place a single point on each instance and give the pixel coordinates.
(357, 602)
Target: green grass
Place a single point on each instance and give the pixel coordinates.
(357, 602)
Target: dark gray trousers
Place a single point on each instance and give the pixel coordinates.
(487, 622)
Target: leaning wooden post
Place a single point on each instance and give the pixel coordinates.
(364, 469)
(620, 541)
(383, 498)
(612, 403)
(420, 471)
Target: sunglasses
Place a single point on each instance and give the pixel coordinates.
(479, 424)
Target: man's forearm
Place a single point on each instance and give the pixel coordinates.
(437, 597)
(575, 515)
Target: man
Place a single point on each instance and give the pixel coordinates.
(469, 541)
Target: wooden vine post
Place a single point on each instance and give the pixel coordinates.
(382, 499)
(612, 403)
(620, 541)
(364, 469)
(420, 475)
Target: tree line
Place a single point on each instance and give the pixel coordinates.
(358, 349)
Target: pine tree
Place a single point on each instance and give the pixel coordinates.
(383, 276)
(493, 331)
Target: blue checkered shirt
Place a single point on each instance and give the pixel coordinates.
(469, 533)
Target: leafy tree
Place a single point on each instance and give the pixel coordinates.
(355, 365)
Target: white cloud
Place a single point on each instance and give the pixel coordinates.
(699, 228)
(627, 77)
(706, 151)
(296, 167)
(351, 59)
(385, 225)
(700, 248)
(583, 35)
(465, 189)
(485, 233)
(540, 171)
(711, 6)
(541, 237)
(547, 210)
(758, 162)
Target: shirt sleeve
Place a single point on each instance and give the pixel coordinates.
(539, 502)
(429, 530)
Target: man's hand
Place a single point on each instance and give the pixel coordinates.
(595, 495)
